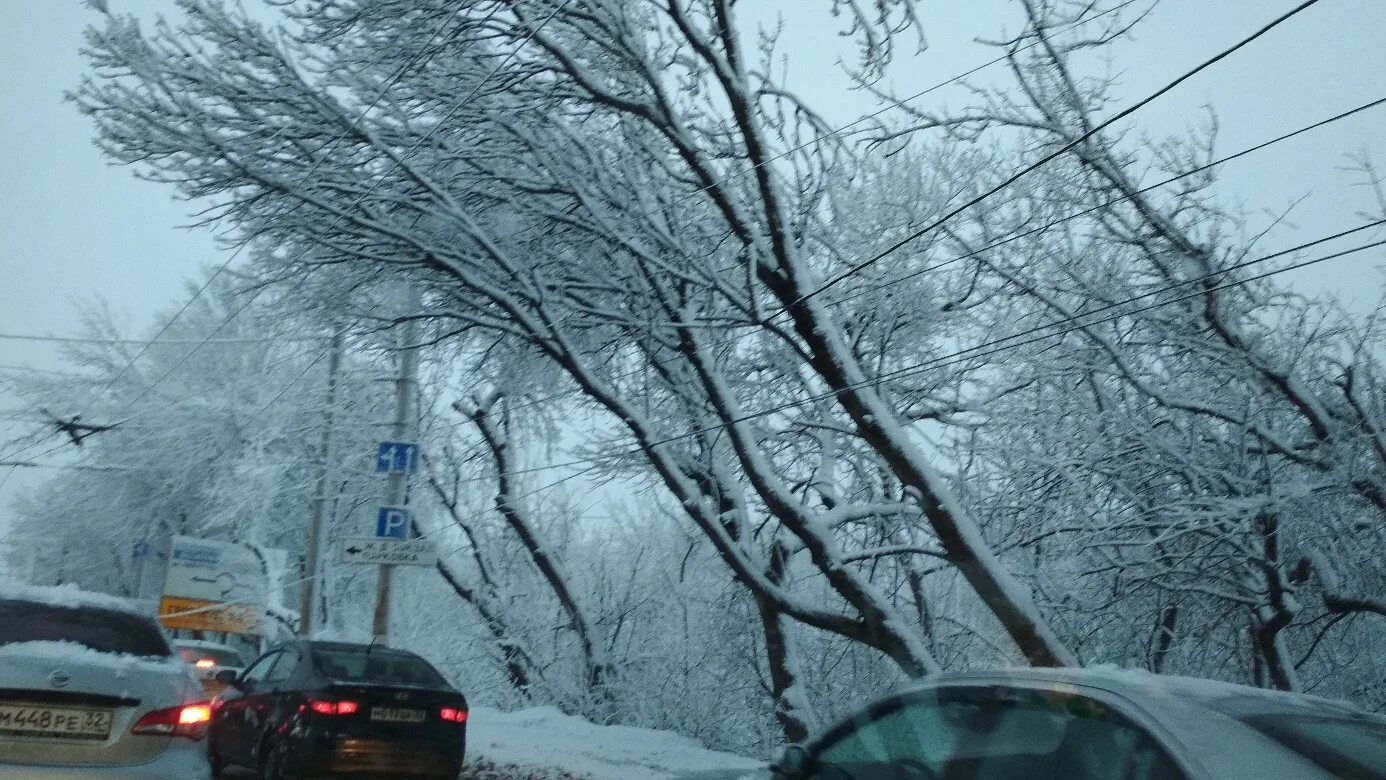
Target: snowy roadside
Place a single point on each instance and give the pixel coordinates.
(543, 738)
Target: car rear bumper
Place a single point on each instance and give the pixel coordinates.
(187, 763)
(377, 758)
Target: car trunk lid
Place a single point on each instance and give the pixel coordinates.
(65, 704)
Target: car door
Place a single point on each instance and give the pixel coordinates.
(990, 732)
(274, 704)
(233, 722)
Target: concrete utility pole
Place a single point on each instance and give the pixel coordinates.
(312, 554)
(397, 486)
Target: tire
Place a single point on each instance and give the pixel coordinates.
(272, 763)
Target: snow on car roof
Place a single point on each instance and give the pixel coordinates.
(81, 655)
(1142, 685)
(67, 596)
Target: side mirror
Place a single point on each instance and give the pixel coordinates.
(228, 677)
(793, 763)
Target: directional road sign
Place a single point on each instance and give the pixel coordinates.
(392, 522)
(414, 552)
(396, 457)
(212, 585)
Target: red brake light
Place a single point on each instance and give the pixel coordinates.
(453, 715)
(330, 707)
(188, 721)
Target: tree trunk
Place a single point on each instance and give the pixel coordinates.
(792, 708)
(597, 670)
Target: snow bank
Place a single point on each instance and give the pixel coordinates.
(68, 596)
(543, 737)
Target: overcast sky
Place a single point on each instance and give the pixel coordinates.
(72, 228)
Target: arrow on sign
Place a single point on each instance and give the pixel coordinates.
(412, 552)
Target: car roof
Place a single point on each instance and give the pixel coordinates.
(356, 647)
(1139, 685)
(69, 596)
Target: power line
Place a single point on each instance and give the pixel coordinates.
(146, 342)
(352, 127)
(592, 464)
(1048, 158)
(889, 106)
(1011, 239)
(1113, 201)
(973, 352)
(317, 163)
(694, 194)
(33, 463)
(396, 163)
(994, 346)
(1002, 345)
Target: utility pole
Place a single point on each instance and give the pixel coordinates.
(312, 553)
(397, 486)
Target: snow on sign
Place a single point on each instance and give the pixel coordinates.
(396, 457)
(213, 586)
(414, 552)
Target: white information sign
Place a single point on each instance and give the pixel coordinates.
(410, 552)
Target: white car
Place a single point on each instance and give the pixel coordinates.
(1073, 724)
(208, 660)
(89, 688)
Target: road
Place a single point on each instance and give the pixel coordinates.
(716, 774)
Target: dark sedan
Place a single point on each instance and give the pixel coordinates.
(329, 709)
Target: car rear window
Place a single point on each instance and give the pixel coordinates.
(107, 631)
(218, 656)
(1351, 749)
(380, 668)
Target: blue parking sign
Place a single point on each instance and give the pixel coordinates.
(392, 522)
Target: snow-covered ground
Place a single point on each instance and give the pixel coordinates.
(543, 737)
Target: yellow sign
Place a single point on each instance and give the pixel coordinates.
(198, 615)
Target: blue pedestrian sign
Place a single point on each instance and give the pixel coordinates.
(396, 457)
(392, 522)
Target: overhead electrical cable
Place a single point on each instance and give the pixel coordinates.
(1048, 158)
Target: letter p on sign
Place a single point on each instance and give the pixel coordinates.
(392, 522)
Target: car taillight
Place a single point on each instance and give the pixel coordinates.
(205, 663)
(332, 707)
(453, 715)
(188, 721)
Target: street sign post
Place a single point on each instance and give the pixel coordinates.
(396, 457)
(392, 522)
(412, 552)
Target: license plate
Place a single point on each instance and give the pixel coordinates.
(41, 720)
(397, 715)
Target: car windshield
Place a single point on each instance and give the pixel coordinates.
(217, 656)
(107, 631)
(376, 667)
(1350, 748)
(973, 733)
